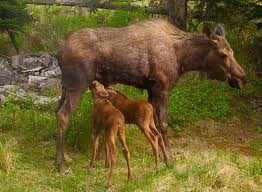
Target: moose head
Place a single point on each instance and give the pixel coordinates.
(220, 61)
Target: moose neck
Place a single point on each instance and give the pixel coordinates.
(192, 55)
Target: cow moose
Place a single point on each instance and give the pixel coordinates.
(149, 55)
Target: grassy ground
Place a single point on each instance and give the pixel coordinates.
(216, 139)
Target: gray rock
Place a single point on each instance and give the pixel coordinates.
(21, 93)
(2, 98)
(6, 88)
(17, 60)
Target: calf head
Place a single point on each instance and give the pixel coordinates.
(98, 90)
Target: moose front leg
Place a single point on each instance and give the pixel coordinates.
(161, 113)
(159, 100)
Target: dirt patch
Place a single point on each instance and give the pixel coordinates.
(235, 135)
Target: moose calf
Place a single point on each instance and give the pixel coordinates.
(141, 112)
(112, 121)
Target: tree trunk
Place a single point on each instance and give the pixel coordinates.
(178, 13)
(12, 37)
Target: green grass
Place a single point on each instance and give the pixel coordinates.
(206, 114)
(197, 169)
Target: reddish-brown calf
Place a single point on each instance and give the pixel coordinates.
(141, 113)
(106, 117)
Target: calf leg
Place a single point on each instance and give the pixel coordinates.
(107, 161)
(122, 138)
(112, 149)
(153, 141)
(160, 140)
(66, 106)
(95, 145)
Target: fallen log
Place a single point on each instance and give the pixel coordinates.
(107, 5)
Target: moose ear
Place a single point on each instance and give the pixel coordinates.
(220, 31)
(206, 30)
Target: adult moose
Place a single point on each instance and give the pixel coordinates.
(148, 55)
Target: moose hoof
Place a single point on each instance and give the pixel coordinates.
(106, 165)
(60, 168)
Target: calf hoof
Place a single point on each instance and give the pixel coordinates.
(109, 182)
(92, 165)
(157, 167)
(129, 179)
(168, 165)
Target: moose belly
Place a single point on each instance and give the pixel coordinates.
(110, 73)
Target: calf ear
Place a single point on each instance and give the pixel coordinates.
(206, 30)
(103, 94)
(110, 88)
(220, 31)
(111, 92)
(93, 84)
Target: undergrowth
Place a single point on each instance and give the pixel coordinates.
(191, 101)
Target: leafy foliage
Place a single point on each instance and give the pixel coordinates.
(13, 17)
(52, 25)
(234, 10)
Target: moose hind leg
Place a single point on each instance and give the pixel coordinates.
(67, 105)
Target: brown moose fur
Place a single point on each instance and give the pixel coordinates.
(141, 113)
(106, 117)
(149, 55)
